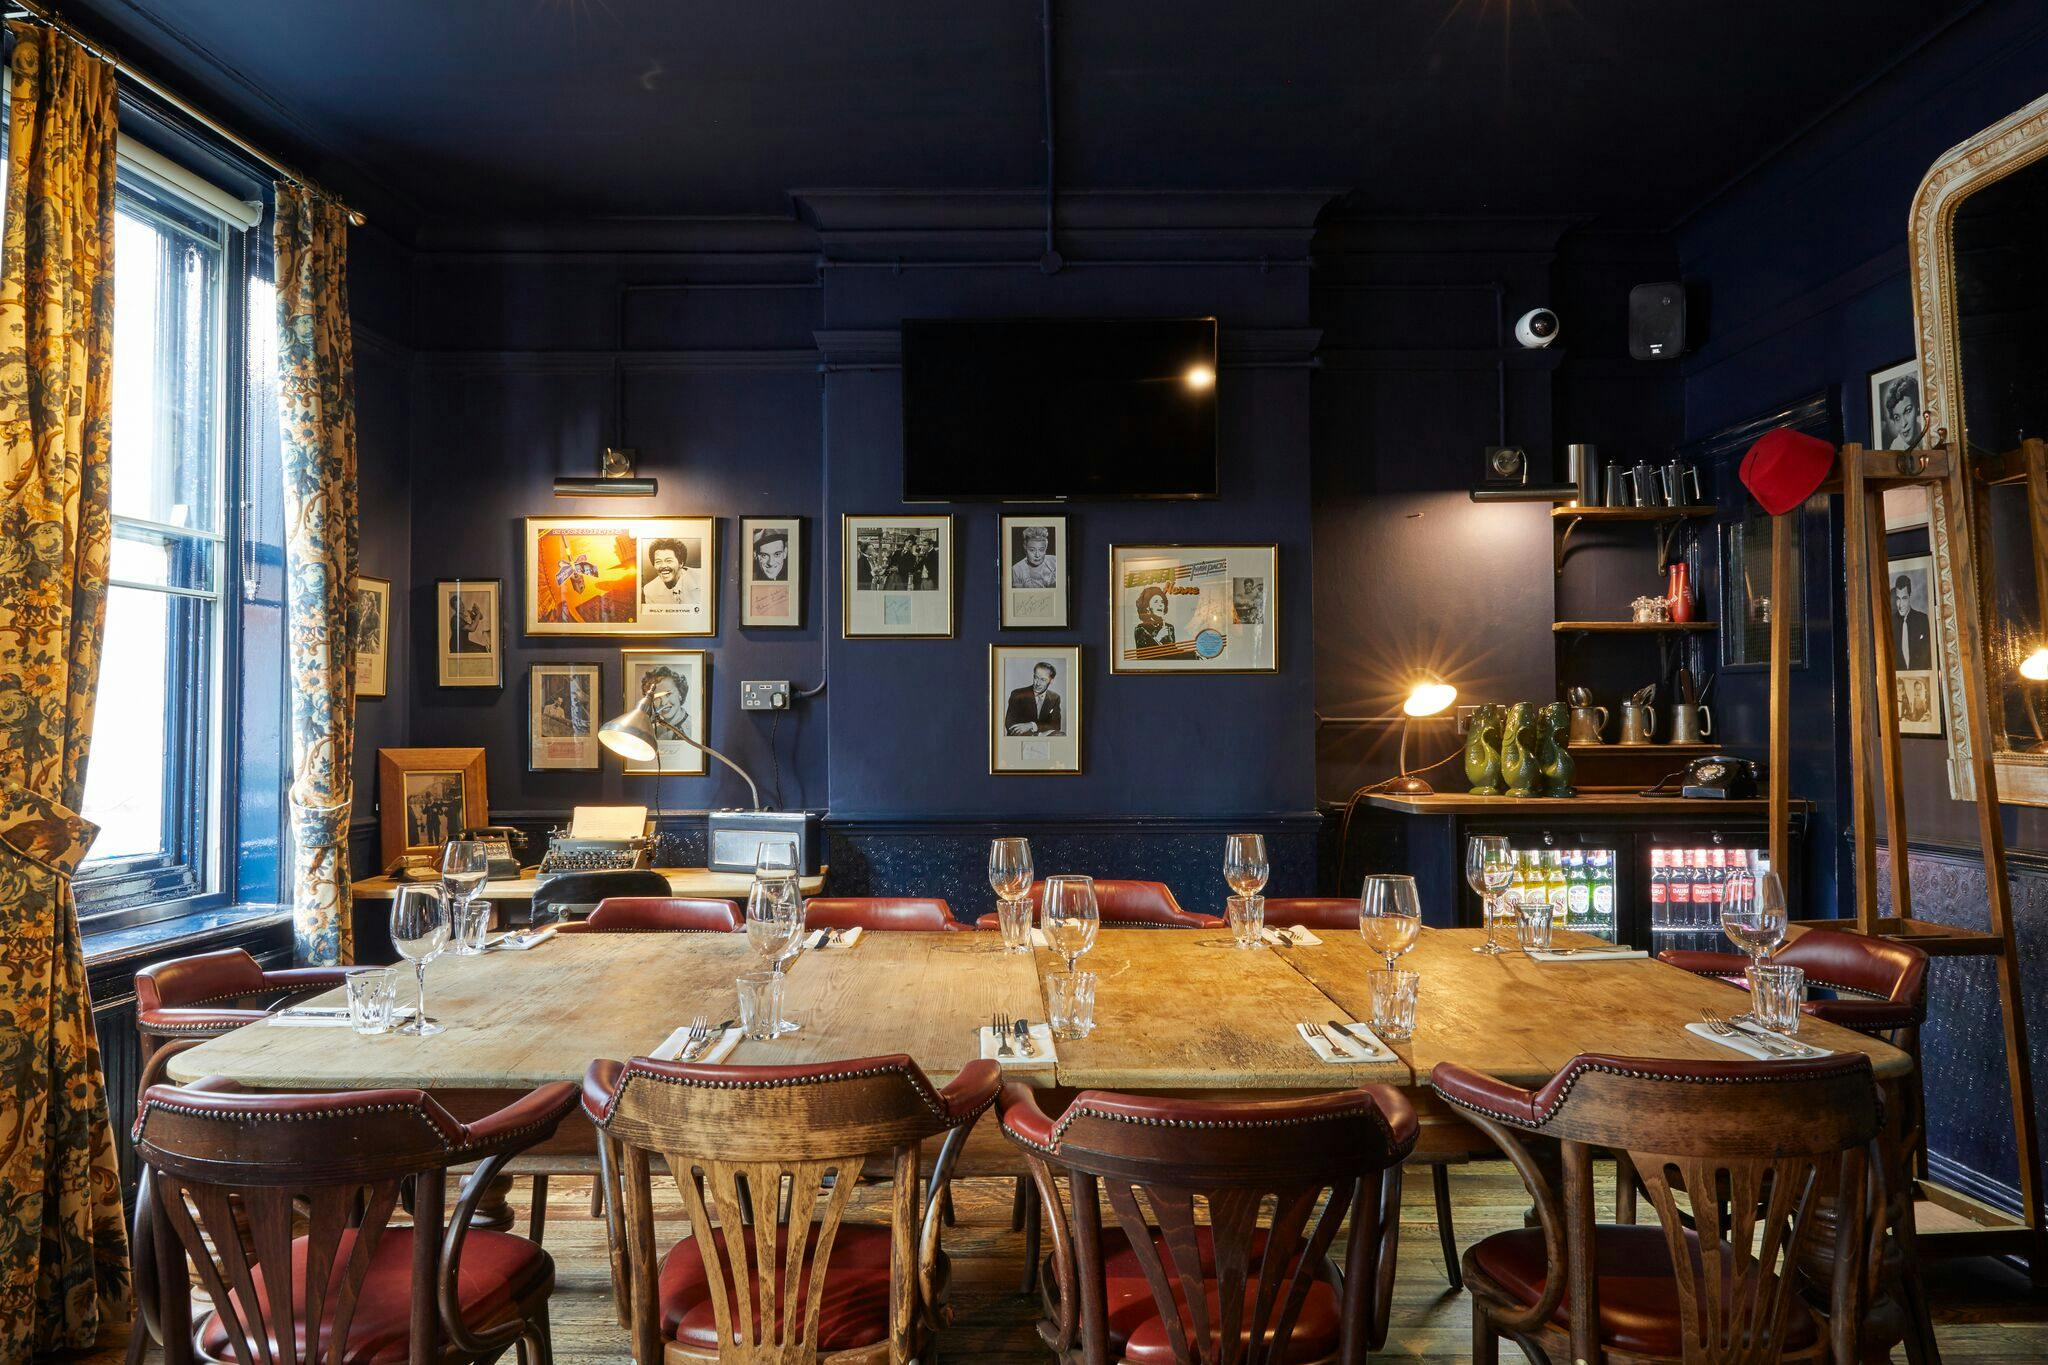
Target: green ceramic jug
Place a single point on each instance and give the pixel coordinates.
(1517, 757)
(1482, 750)
(1555, 756)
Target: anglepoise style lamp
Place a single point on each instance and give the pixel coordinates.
(631, 737)
(1429, 697)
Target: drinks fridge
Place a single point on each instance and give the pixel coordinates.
(1578, 882)
(1686, 888)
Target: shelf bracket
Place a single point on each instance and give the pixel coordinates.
(1563, 544)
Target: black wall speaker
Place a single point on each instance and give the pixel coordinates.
(1656, 321)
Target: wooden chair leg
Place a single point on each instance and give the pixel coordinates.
(1624, 1190)
(1032, 1229)
(537, 1216)
(1440, 1181)
(1018, 1198)
(597, 1196)
(946, 1207)
(1485, 1344)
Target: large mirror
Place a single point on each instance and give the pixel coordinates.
(1980, 264)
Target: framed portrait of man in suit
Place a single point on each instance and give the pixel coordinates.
(1913, 628)
(1034, 709)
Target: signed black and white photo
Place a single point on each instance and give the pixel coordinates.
(1895, 407)
(674, 683)
(562, 702)
(897, 576)
(771, 580)
(370, 623)
(1913, 627)
(1036, 553)
(1034, 709)
(470, 651)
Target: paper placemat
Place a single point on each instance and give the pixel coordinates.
(521, 941)
(1294, 937)
(329, 1016)
(721, 1047)
(1585, 954)
(1374, 1050)
(1750, 1046)
(1042, 1053)
(823, 940)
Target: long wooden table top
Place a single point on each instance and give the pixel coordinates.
(1175, 1010)
(682, 881)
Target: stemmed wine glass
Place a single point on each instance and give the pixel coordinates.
(1753, 914)
(419, 930)
(1244, 863)
(1389, 916)
(774, 858)
(1009, 876)
(775, 927)
(1070, 917)
(1489, 869)
(465, 867)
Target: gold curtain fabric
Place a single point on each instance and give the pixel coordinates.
(63, 1251)
(317, 393)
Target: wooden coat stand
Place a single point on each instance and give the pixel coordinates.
(1964, 1225)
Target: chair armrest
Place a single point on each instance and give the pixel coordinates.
(1021, 1118)
(177, 1022)
(1706, 964)
(973, 1090)
(531, 1118)
(601, 1087)
(992, 920)
(307, 978)
(1477, 1092)
(1864, 1016)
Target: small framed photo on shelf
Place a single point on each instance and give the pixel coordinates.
(1034, 709)
(677, 684)
(427, 797)
(469, 633)
(1036, 589)
(897, 577)
(1913, 627)
(621, 575)
(771, 578)
(1194, 608)
(370, 623)
(561, 717)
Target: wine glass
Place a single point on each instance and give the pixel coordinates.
(1753, 914)
(1389, 916)
(465, 867)
(1070, 917)
(775, 927)
(774, 858)
(1244, 863)
(1489, 868)
(419, 930)
(1009, 868)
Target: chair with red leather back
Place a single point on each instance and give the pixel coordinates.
(824, 1287)
(1270, 1294)
(916, 913)
(659, 915)
(213, 993)
(224, 1171)
(1768, 1136)
(1331, 914)
(1126, 905)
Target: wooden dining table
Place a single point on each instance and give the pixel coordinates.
(1177, 1011)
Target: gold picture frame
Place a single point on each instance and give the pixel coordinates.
(673, 757)
(370, 622)
(426, 797)
(607, 576)
(891, 587)
(1221, 632)
(1052, 746)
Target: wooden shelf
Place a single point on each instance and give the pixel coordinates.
(1686, 750)
(1631, 627)
(1570, 513)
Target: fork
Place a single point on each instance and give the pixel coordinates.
(1315, 1030)
(1723, 1029)
(1001, 1026)
(700, 1030)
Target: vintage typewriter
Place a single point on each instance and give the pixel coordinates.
(600, 839)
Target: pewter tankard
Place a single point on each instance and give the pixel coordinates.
(1638, 723)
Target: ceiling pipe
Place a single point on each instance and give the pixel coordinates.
(1050, 262)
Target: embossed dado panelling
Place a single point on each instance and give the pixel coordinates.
(1970, 1136)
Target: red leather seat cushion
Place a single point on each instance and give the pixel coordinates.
(498, 1270)
(1638, 1293)
(1138, 1333)
(853, 1312)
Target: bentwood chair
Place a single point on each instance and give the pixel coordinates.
(660, 915)
(1716, 1283)
(1324, 914)
(574, 895)
(1127, 905)
(781, 1139)
(213, 993)
(1173, 1285)
(915, 913)
(225, 1171)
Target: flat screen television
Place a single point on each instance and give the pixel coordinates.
(1046, 409)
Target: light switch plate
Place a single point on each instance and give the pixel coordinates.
(764, 696)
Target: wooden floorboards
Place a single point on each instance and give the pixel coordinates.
(1985, 1311)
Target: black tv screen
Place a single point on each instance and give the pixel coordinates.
(1041, 409)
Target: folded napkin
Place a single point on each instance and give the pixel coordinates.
(1042, 1053)
(721, 1047)
(1359, 1041)
(328, 1016)
(1301, 937)
(1749, 1046)
(1038, 938)
(1589, 954)
(818, 939)
(521, 941)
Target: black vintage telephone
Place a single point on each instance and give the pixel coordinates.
(499, 842)
(1717, 777)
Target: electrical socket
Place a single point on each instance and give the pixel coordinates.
(1465, 714)
(764, 696)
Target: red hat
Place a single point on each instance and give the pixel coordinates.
(1784, 467)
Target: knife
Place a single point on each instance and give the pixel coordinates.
(1365, 1049)
(717, 1032)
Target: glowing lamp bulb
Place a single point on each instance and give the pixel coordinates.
(1199, 377)
(1428, 698)
(2034, 668)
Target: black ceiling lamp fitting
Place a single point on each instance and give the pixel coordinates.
(615, 477)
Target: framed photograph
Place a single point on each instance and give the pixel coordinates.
(426, 797)
(1895, 408)
(897, 577)
(561, 717)
(1035, 587)
(1746, 593)
(771, 578)
(468, 632)
(679, 683)
(1914, 627)
(370, 622)
(1194, 608)
(1034, 709)
(621, 575)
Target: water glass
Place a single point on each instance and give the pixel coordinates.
(1244, 863)
(1015, 919)
(1532, 927)
(1247, 916)
(372, 999)
(1776, 992)
(472, 927)
(760, 1004)
(1070, 1004)
(1393, 1003)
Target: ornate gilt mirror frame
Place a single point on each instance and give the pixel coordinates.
(2015, 141)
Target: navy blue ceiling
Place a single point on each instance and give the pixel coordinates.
(494, 110)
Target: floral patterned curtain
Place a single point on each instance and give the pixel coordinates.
(317, 391)
(63, 1252)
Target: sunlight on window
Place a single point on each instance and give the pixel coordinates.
(124, 787)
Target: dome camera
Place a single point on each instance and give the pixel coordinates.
(1536, 328)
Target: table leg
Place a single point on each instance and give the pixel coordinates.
(492, 1211)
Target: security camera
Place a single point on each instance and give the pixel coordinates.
(1536, 328)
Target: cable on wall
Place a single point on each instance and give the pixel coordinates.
(1050, 262)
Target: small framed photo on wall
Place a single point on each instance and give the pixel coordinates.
(561, 717)
(897, 574)
(426, 797)
(370, 623)
(1036, 590)
(621, 575)
(1895, 407)
(1034, 709)
(771, 579)
(1194, 608)
(676, 683)
(468, 632)
(1914, 629)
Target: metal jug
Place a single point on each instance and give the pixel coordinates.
(1691, 724)
(1676, 478)
(1587, 724)
(1638, 723)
